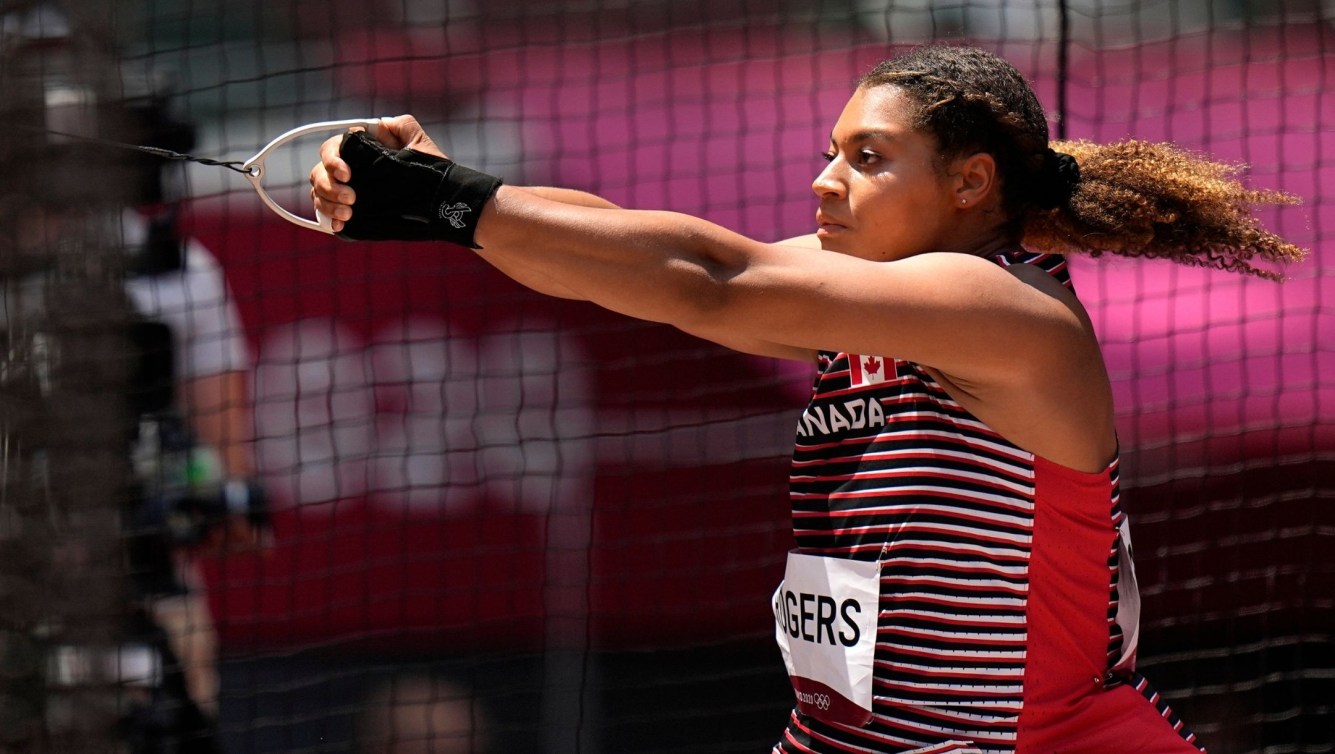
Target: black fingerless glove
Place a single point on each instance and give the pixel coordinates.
(406, 195)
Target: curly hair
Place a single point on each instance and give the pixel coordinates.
(1132, 198)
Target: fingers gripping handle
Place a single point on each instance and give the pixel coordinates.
(326, 222)
(254, 167)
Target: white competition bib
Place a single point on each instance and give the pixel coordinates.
(825, 623)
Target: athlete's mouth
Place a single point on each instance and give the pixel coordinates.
(827, 223)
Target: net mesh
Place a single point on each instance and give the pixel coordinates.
(503, 522)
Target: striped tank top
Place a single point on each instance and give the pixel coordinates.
(1007, 612)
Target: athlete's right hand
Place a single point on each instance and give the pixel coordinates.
(404, 132)
(411, 190)
(329, 179)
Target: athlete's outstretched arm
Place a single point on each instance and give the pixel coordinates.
(985, 327)
(535, 279)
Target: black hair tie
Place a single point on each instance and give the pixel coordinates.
(1057, 179)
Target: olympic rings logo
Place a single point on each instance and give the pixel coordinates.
(817, 700)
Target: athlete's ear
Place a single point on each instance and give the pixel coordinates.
(975, 179)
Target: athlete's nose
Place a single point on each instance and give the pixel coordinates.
(828, 182)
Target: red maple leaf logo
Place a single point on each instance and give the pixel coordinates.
(872, 365)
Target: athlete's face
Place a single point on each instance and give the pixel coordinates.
(884, 195)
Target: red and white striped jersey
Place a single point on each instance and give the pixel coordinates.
(1002, 627)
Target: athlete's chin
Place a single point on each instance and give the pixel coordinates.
(843, 247)
(849, 245)
(834, 238)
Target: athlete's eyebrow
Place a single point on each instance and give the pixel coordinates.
(865, 135)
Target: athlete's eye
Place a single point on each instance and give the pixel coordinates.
(827, 155)
(868, 157)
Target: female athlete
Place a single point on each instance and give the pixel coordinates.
(962, 579)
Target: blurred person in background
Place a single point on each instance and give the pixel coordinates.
(189, 455)
(192, 451)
